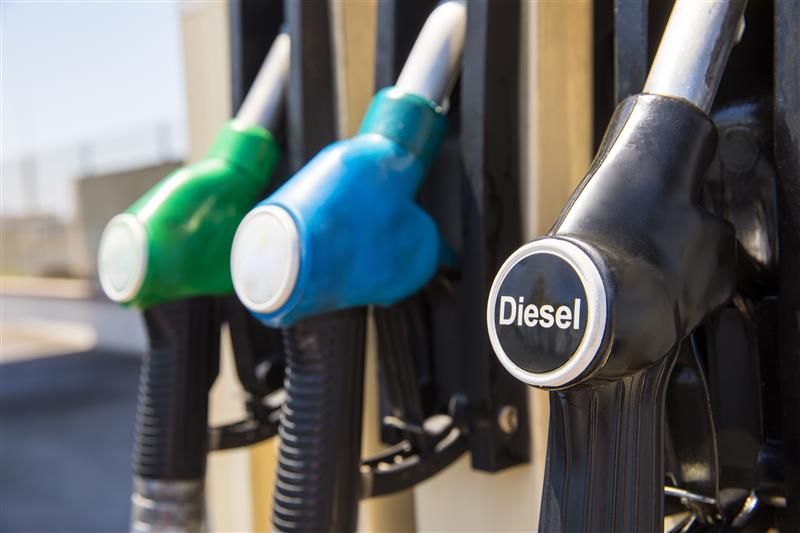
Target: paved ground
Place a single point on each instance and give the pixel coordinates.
(66, 321)
(68, 380)
(67, 424)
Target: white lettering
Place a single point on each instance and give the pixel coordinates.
(531, 312)
(563, 317)
(504, 321)
(514, 310)
(546, 316)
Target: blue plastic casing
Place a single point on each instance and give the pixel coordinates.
(363, 239)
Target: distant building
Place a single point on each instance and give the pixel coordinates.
(46, 245)
(40, 245)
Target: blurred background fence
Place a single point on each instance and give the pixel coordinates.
(55, 201)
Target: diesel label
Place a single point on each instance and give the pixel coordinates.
(539, 309)
(546, 312)
(515, 310)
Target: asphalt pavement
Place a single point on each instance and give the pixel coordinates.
(68, 382)
(66, 441)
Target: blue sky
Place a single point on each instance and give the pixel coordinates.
(76, 72)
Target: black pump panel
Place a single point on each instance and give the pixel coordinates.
(472, 192)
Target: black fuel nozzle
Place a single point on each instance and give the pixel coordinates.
(596, 310)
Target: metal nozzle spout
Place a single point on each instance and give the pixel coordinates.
(694, 50)
(264, 103)
(434, 63)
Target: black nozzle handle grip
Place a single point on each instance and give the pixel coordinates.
(605, 466)
(171, 435)
(319, 459)
(598, 307)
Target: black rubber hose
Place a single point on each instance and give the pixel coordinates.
(318, 477)
(171, 436)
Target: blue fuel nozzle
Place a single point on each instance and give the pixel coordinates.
(345, 230)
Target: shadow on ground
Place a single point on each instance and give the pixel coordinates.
(65, 442)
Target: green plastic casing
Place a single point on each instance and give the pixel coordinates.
(190, 217)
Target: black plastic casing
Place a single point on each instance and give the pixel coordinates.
(665, 264)
(472, 192)
(665, 261)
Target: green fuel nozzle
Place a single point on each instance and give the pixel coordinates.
(175, 241)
